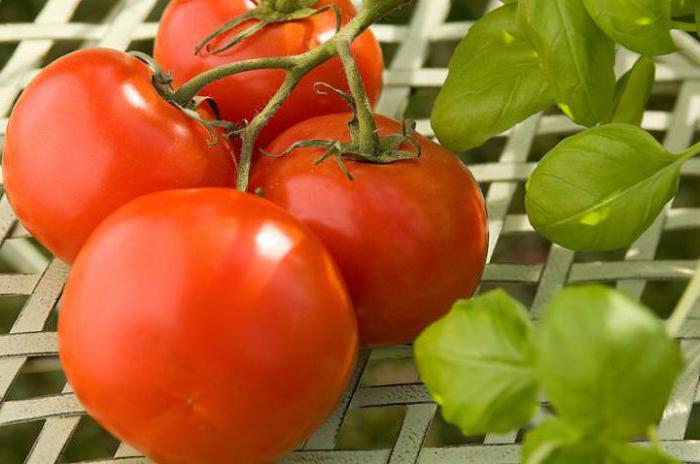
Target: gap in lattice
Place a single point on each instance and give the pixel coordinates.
(16, 441)
(467, 10)
(20, 11)
(683, 244)
(10, 306)
(36, 380)
(440, 53)
(489, 152)
(442, 434)
(371, 428)
(59, 49)
(157, 11)
(662, 296)
(420, 102)
(688, 193)
(144, 46)
(521, 248)
(90, 441)
(92, 11)
(543, 144)
(390, 372)
(600, 257)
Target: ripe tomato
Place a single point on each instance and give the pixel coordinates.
(185, 23)
(410, 238)
(91, 133)
(207, 326)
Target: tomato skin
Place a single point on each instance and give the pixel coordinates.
(207, 326)
(185, 23)
(410, 238)
(91, 133)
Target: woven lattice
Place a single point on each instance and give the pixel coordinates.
(31, 344)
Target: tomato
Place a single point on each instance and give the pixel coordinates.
(410, 238)
(91, 133)
(185, 23)
(207, 326)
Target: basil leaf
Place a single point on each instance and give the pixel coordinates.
(633, 91)
(643, 26)
(477, 364)
(494, 82)
(601, 189)
(577, 57)
(632, 454)
(555, 442)
(605, 362)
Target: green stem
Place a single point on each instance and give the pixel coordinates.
(257, 124)
(633, 92)
(296, 67)
(286, 6)
(685, 305)
(684, 26)
(190, 89)
(691, 152)
(365, 138)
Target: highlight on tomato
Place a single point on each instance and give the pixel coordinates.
(185, 25)
(91, 132)
(207, 326)
(410, 237)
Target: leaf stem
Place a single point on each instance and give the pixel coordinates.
(685, 305)
(684, 26)
(296, 67)
(691, 152)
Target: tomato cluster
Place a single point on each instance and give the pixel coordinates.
(202, 324)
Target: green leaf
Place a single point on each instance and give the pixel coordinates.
(494, 82)
(643, 26)
(555, 442)
(633, 454)
(577, 57)
(605, 362)
(477, 364)
(601, 189)
(633, 91)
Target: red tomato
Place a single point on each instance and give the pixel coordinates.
(91, 133)
(410, 238)
(185, 23)
(207, 326)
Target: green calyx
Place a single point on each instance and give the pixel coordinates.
(163, 83)
(266, 13)
(382, 150)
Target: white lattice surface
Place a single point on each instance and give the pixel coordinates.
(31, 347)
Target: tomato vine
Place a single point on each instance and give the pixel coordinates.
(295, 67)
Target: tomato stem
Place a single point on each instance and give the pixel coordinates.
(287, 6)
(295, 67)
(364, 134)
